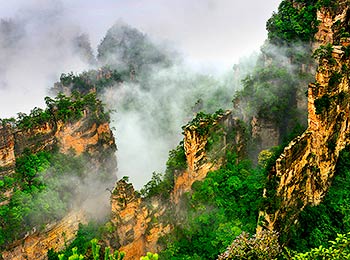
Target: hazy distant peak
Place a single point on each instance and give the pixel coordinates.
(128, 48)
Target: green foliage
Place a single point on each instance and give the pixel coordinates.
(177, 160)
(74, 256)
(31, 205)
(324, 53)
(154, 187)
(327, 3)
(220, 207)
(86, 234)
(346, 51)
(127, 47)
(322, 104)
(29, 165)
(42, 192)
(339, 250)
(335, 79)
(203, 122)
(62, 108)
(75, 252)
(150, 256)
(291, 24)
(264, 246)
(92, 79)
(116, 256)
(270, 94)
(161, 185)
(95, 249)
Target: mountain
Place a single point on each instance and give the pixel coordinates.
(275, 164)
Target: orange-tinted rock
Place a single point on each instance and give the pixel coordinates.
(55, 236)
(303, 173)
(139, 222)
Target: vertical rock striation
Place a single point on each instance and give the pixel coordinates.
(303, 173)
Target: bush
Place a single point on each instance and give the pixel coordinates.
(339, 249)
(264, 246)
(323, 103)
(291, 24)
(324, 53)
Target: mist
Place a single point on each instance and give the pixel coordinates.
(36, 45)
(43, 39)
(149, 113)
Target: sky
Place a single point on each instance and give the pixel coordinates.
(205, 30)
(210, 34)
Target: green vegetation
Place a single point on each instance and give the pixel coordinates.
(346, 51)
(296, 22)
(150, 256)
(270, 94)
(224, 206)
(291, 24)
(42, 192)
(338, 250)
(62, 107)
(76, 253)
(320, 224)
(220, 208)
(161, 185)
(124, 46)
(203, 122)
(335, 79)
(322, 104)
(324, 53)
(265, 246)
(92, 80)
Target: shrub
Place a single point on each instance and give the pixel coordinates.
(322, 103)
(264, 246)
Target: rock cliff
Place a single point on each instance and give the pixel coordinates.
(90, 134)
(303, 173)
(36, 244)
(79, 136)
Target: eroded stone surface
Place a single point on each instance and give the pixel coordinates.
(302, 175)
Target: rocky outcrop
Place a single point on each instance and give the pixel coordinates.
(303, 173)
(55, 236)
(7, 150)
(140, 222)
(201, 157)
(84, 135)
(265, 132)
(136, 221)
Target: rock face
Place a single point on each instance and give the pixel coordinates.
(56, 236)
(136, 221)
(200, 158)
(304, 171)
(265, 132)
(7, 150)
(78, 136)
(140, 222)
